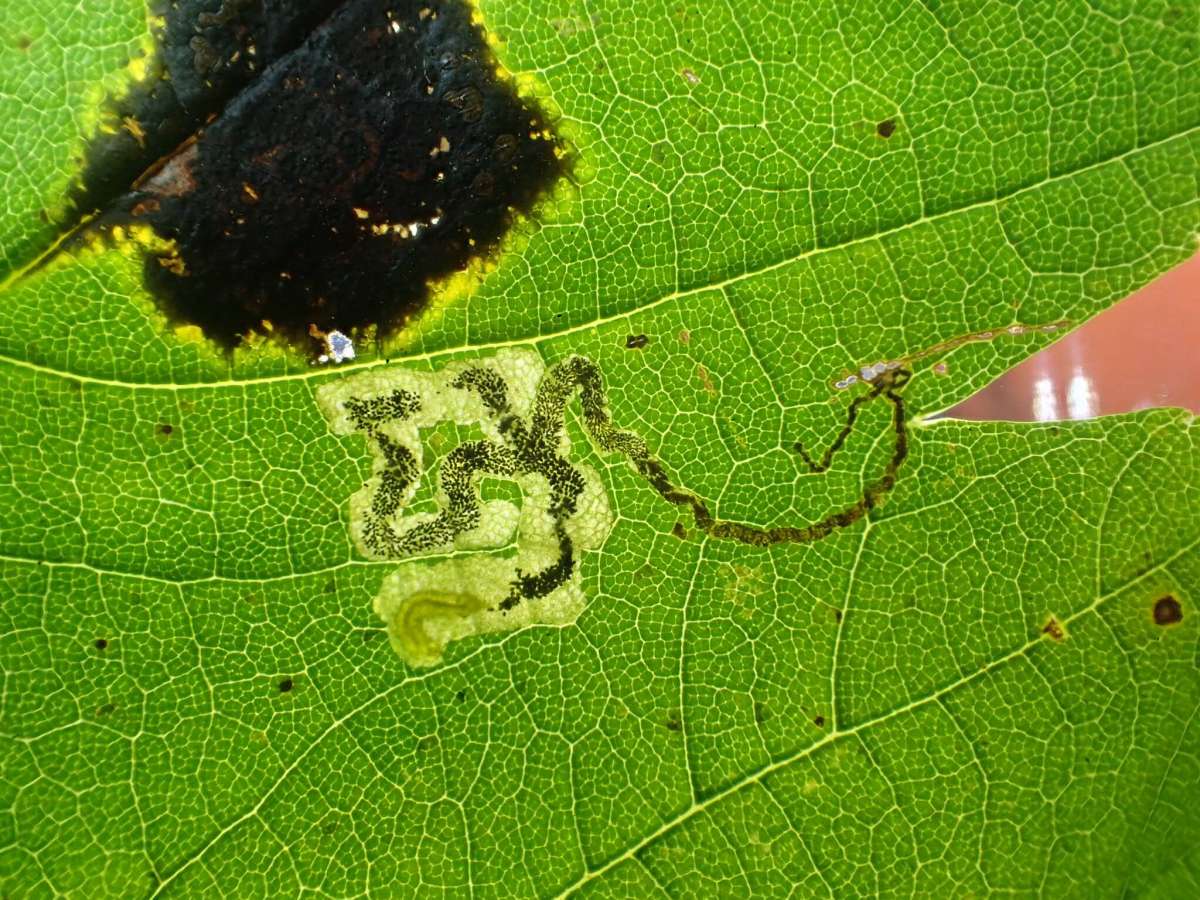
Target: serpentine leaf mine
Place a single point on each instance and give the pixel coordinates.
(313, 168)
(564, 510)
(532, 573)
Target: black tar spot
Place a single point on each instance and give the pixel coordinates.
(819, 721)
(460, 696)
(101, 643)
(886, 128)
(207, 51)
(636, 342)
(165, 429)
(285, 685)
(357, 151)
(1167, 611)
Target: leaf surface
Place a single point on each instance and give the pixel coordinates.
(884, 711)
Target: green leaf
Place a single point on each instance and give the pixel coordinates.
(888, 710)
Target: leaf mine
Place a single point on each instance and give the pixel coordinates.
(520, 407)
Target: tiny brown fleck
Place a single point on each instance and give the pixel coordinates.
(886, 128)
(690, 77)
(685, 336)
(135, 130)
(165, 429)
(101, 643)
(819, 721)
(1167, 611)
(679, 531)
(674, 724)
(285, 685)
(636, 341)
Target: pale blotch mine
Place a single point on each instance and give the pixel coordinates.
(427, 603)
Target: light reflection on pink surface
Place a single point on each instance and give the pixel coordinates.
(1143, 352)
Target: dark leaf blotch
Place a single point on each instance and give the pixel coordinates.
(1167, 611)
(365, 150)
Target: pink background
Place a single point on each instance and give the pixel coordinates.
(1145, 351)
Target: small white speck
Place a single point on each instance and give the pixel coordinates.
(341, 348)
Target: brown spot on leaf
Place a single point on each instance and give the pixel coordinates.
(886, 128)
(674, 724)
(165, 429)
(285, 685)
(1053, 629)
(679, 531)
(819, 721)
(1167, 611)
(636, 341)
(101, 643)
